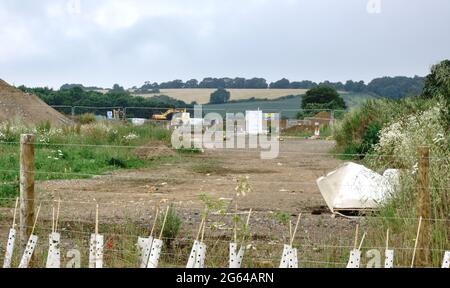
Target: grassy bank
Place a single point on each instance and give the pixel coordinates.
(79, 151)
(388, 134)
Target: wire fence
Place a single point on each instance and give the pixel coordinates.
(322, 241)
(148, 112)
(316, 247)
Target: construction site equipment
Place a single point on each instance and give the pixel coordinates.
(168, 114)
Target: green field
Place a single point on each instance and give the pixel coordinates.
(201, 96)
(288, 107)
(78, 152)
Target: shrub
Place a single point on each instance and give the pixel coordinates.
(397, 148)
(172, 226)
(87, 118)
(358, 130)
(44, 127)
(219, 96)
(325, 96)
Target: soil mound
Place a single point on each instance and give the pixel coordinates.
(152, 150)
(17, 106)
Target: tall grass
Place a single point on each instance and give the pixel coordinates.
(358, 131)
(76, 152)
(390, 133)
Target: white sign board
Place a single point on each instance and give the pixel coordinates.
(109, 114)
(254, 122)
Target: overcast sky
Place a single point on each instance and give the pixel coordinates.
(102, 42)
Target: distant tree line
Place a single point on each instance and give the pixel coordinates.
(390, 87)
(69, 86)
(116, 97)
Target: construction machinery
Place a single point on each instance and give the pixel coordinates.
(167, 115)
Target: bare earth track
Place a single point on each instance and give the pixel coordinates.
(286, 183)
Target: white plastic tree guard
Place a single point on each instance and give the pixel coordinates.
(155, 253)
(197, 256)
(389, 259)
(289, 258)
(31, 244)
(157, 244)
(355, 187)
(11, 240)
(96, 251)
(145, 247)
(54, 255)
(446, 261)
(9, 248)
(354, 259)
(29, 249)
(236, 256)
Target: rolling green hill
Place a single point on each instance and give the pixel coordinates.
(287, 106)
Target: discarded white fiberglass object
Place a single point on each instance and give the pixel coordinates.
(355, 187)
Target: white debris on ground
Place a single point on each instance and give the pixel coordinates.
(353, 187)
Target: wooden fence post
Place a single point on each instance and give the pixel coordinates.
(26, 186)
(423, 208)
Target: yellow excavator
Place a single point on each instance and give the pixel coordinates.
(168, 113)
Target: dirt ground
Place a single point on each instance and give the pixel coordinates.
(286, 183)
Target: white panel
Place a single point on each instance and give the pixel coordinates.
(201, 255)
(355, 258)
(285, 257)
(193, 255)
(446, 262)
(92, 251)
(389, 259)
(232, 257)
(289, 258)
(141, 243)
(236, 256)
(99, 252)
(145, 247)
(54, 256)
(240, 256)
(155, 253)
(254, 122)
(9, 248)
(293, 260)
(29, 249)
(96, 251)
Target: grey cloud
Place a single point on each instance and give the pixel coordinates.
(164, 40)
